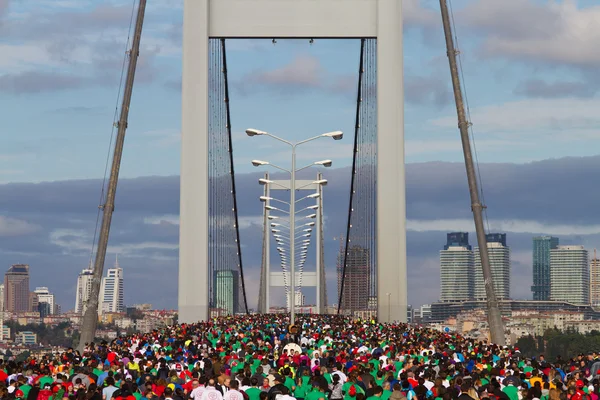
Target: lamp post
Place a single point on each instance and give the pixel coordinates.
(337, 135)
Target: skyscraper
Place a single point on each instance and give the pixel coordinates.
(111, 291)
(355, 296)
(595, 281)
(499, 255)
(84, 288)
(541, 266)
(16, 288)
(569, 274)
(227, 294)
(456, 268)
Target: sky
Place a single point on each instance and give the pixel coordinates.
(530, 76)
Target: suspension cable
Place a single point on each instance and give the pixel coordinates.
(468, 109)
(112, 133)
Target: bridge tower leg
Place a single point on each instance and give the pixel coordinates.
(193, 209)
(391, 200)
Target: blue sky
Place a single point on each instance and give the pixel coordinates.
(529, 68)
(531, 97)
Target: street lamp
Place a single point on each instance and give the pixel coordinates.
(336, 135)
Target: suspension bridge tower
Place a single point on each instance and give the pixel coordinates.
(207, 20)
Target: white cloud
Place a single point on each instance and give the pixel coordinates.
(16, 227)
(514, 226)
(162, 219)
(555, 31)
(576, 116)
(77, 241)
(245, 222)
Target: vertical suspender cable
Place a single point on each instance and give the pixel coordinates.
(353, 171)
(232, 173)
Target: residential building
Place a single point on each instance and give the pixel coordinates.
(111, 291)
(16, 289)
(2, 297)
(456, 268)
(26, 337)
(595, 281)
(499, 256)
(5, 333)
(569, 274)
(33, 302)
(84, 289)
(542, 245)
(45, 301)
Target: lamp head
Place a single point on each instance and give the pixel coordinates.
(321, 182)
(336, 135)
(264, 181)
(311, 216)
(314, 196)
(255, 132)
(258, 163)
(325, 163)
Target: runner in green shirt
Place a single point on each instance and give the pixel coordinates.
(377, 392)
(253, 392)
(317, 393)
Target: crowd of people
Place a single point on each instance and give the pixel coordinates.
(260, 357)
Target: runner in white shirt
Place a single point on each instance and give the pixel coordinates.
(198, 389)
(210, 392)
(342, 376)
(233, 393)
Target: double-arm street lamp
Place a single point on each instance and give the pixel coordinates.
(337, 135)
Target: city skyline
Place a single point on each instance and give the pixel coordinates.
(64, 137)
(156, 223)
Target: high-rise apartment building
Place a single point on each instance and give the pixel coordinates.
(227, 291)
(456, 268)
(499, 255)
(16, 288)
(569, 274)
(84, 289)
(355, 296)
(45, 301)
(595, 281)
(111, 291)
(1, 297)
(542, 245)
